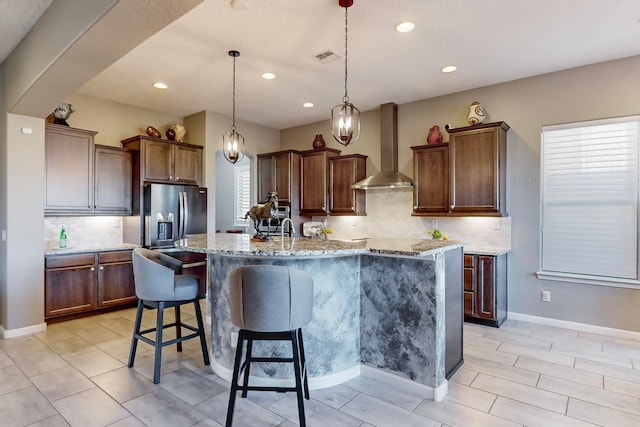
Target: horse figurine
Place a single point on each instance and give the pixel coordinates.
(266, 211)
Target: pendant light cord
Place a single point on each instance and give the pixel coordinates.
(345, 99)
(233, 116)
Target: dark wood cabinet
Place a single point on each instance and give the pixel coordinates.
(112, 180)
(279, 172)
(81, 284)
(68, 170)
(431, 179)
(485, 289)
(314, 177)
(343, 172)
(193, 263)
(478, 156)
(465, 177)
(164, 161)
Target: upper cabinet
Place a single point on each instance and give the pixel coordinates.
(466, 177)
(314, 177)
(166, 161)
(279, 172)
(343, 172)
(82, 178)
(68, 169)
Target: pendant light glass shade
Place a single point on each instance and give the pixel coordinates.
(345, 117)
(233, 142)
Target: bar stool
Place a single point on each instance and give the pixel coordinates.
(160, 284)
(270, 303)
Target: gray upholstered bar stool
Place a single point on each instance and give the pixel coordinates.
(160, 284)
(270, 303)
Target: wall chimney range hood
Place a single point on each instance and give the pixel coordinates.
(388, 177)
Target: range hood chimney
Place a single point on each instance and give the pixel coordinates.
(388, 177)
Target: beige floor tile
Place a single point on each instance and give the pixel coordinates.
(54, 333)
(606, 369)
(632, 351)
(246, 413)
(94, 363)
(464, 375)
(500, 370)
(73, 346)
(471, 397)
(622, 386)
(24, 407)
(18, 346)
(336, 396)
(119, 348)
(598, 396)
(12, 379)
(473, 329)
(494, 356)
(5, 360)
(564, 372)
(383, 414)
(55, 421)
(552, 332)
(128, 422)
(98, 334)
(456, 415)
(555, 402)
(517, 338)
(40, 362)
(482, 342)
(92, 407)
(593, 355)
(124, 384)
(533, 416)
(537, 353)
(208, 422)
(601, 415)
(61, 383)
(190, 387)
(606, 339)
(317, 414)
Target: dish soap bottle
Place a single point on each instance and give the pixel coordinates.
(63, 238)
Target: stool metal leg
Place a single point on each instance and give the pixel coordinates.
(178, 327)
(247, 367)
(136, 333)
(203, 339)
(234, 379)
(298, 370)
(303, 361)
(158, 345)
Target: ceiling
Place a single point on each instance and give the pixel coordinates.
(491, 41)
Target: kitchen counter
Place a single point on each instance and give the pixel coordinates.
(389, 304)
(485, 250)
(86, 249)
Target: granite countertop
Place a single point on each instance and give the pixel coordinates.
(241, 244)
(86, 249)
(485, 250)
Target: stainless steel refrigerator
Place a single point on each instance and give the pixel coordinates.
(171, 212)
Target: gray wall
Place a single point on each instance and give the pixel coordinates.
(603, 90)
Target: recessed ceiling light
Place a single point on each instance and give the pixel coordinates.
(160, 85)
(307, 104)
(449, 69)
(405, 27)
(269, 76)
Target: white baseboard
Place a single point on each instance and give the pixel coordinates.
(581, 327)
(13, 333)
(434, 393)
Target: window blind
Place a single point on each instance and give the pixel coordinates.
(242, 189)
(590, 198)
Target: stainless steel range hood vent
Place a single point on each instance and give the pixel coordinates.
(388, 177)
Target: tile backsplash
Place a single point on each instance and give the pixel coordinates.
(389, 215)
(83, 231)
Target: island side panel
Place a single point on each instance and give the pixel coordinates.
(402, 316)
(331, 339)
(454, 310)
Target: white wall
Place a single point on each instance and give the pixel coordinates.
(602, 90)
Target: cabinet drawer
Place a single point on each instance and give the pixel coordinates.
(114, 256)
(62, 261)
(469, 280)
(469, 260)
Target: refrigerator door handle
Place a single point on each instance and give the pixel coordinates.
(185, 221)
(181, 215)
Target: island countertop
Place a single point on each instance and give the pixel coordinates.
(241, 244)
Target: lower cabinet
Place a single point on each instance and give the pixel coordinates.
(78, 284)
(485, 289)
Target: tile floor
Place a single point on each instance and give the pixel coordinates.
(522, 374)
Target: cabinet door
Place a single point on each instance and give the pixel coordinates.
(266, 177)
(485, 291)
(188, 164)
(68, 169)
(343, 172)
(282, 163)
(158, 161)
(112, 180)
(115, 278)
(431, 179)
(69, 290)
(469, 285)
(314, 185)
(478, 172)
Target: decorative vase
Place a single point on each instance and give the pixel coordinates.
(180, 131)
(318, 142)
(171, 134)
(476, 113)
(153, 132)
(435, 136)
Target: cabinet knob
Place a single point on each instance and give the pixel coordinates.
(170, 177)
(177, 178)
(93, 269)
(102, 267)
(453, 207)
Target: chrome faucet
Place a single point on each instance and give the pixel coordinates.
(284, 221)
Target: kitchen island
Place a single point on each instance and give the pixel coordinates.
(394, 305)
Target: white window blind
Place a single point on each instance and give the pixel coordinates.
(242, 190)
(590, 198)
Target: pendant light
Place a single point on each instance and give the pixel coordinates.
(345, 117)
(233, 142)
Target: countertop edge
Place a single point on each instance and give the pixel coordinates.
(76, 250)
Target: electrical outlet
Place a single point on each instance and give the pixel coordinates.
(546, 296)
(497, 225)
(434, 223)
(234, 339)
